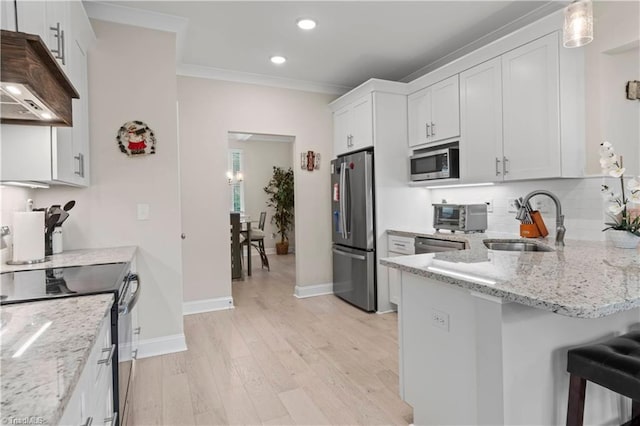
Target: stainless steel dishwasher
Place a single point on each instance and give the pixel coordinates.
(434, 245)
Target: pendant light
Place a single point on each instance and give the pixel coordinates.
(578, 24)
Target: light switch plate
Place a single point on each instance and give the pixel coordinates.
(143, 211)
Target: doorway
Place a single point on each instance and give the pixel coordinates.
(252, 160)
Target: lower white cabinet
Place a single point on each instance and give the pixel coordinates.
(397, 246)
(92, 399)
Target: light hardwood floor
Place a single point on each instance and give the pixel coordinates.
(276, 360)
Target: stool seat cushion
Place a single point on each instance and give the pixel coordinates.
(257, 234)
(614, 364)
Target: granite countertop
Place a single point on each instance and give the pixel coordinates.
(36, 385)
(79, 258)
(585, 279)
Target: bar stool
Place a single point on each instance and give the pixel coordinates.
(614, 364)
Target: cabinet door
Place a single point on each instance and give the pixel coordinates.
(31, 17)
(341, 135)
(445, 109)
(362, 123)
(481, 123)
(58, 31)
(419, 117)
(531, 110)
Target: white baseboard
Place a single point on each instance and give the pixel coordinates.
(207, 305)
(313, 290)
(161, 346)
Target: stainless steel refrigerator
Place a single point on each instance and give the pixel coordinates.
(353, 218)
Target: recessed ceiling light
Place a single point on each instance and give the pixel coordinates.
(306, 24)
(278, 60)
(46, 116)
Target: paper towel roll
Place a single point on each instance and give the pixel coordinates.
(28, 236)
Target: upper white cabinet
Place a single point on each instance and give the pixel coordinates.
(54, 154)
(434, 112)
(353, 126)
(531, 115)
(510, 116)
(481, 122)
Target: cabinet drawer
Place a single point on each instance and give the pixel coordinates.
(98, 363)
(401, 245)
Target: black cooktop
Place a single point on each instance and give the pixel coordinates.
(41, 284)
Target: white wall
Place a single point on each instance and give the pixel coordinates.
(12, 199)
(612, 59)
(208, 110)
(132, 77)
(259, 159)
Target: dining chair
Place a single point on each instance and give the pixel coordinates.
(236, 244)
(257, 240)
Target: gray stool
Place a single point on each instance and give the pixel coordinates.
(614, 364)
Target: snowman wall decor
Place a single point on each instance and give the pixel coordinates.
(135, 138)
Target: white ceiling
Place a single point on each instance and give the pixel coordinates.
(354, 41)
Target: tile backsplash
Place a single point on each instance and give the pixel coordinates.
(582, 204)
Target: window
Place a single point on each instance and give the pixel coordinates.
(236, 183)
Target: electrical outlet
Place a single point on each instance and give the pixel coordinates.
(489, 206)
(511, 205)
(440, 319)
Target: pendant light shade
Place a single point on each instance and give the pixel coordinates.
(578, 24)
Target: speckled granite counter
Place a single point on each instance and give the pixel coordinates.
(587, 279)
(79, 258)
(38, 383)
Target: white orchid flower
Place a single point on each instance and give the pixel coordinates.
(617, 172)
(606, 144)
(606, 150)
(608, 163)
(635, 197)
(634, 184)
(616, 209)
(615, 197)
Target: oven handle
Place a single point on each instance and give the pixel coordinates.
(131, 303)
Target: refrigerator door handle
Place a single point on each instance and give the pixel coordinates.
(343, 195)
(347, 203)
(351, 255)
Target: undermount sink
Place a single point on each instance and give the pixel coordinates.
(511, 245)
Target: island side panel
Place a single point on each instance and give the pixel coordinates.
(535, 345)
(439, 376)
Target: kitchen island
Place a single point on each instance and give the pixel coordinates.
(484, 333)
(45, 347)
(83, 257)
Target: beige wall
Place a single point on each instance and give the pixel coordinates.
(132, 77)
(208, 109)
(612, 59)
(259, 159)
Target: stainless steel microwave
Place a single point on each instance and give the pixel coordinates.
(437, 163)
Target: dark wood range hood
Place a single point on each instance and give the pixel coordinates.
(35, 90)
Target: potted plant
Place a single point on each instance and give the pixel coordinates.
(625, 227)
(280, 192)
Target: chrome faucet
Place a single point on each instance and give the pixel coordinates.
(560, 229)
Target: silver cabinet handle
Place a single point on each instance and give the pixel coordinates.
(497, 166)
(59, 50)
(107, 360)
(433, 129)
(134, 354)
(399, 244)
(351, 255)
(88, 422)
(505, 161)
(428, 135)
(137, 330)
(80, 158)
(111, 420)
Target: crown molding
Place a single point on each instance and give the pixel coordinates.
(141, 18)
(190, 70)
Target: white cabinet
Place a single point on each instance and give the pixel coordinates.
(434, 112)
(510, 118)
(481, 122)
(353, 126)
(92, 399)
(58, 155)
(531, 116)
(397, 246)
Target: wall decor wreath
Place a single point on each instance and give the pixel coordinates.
(136, 138)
